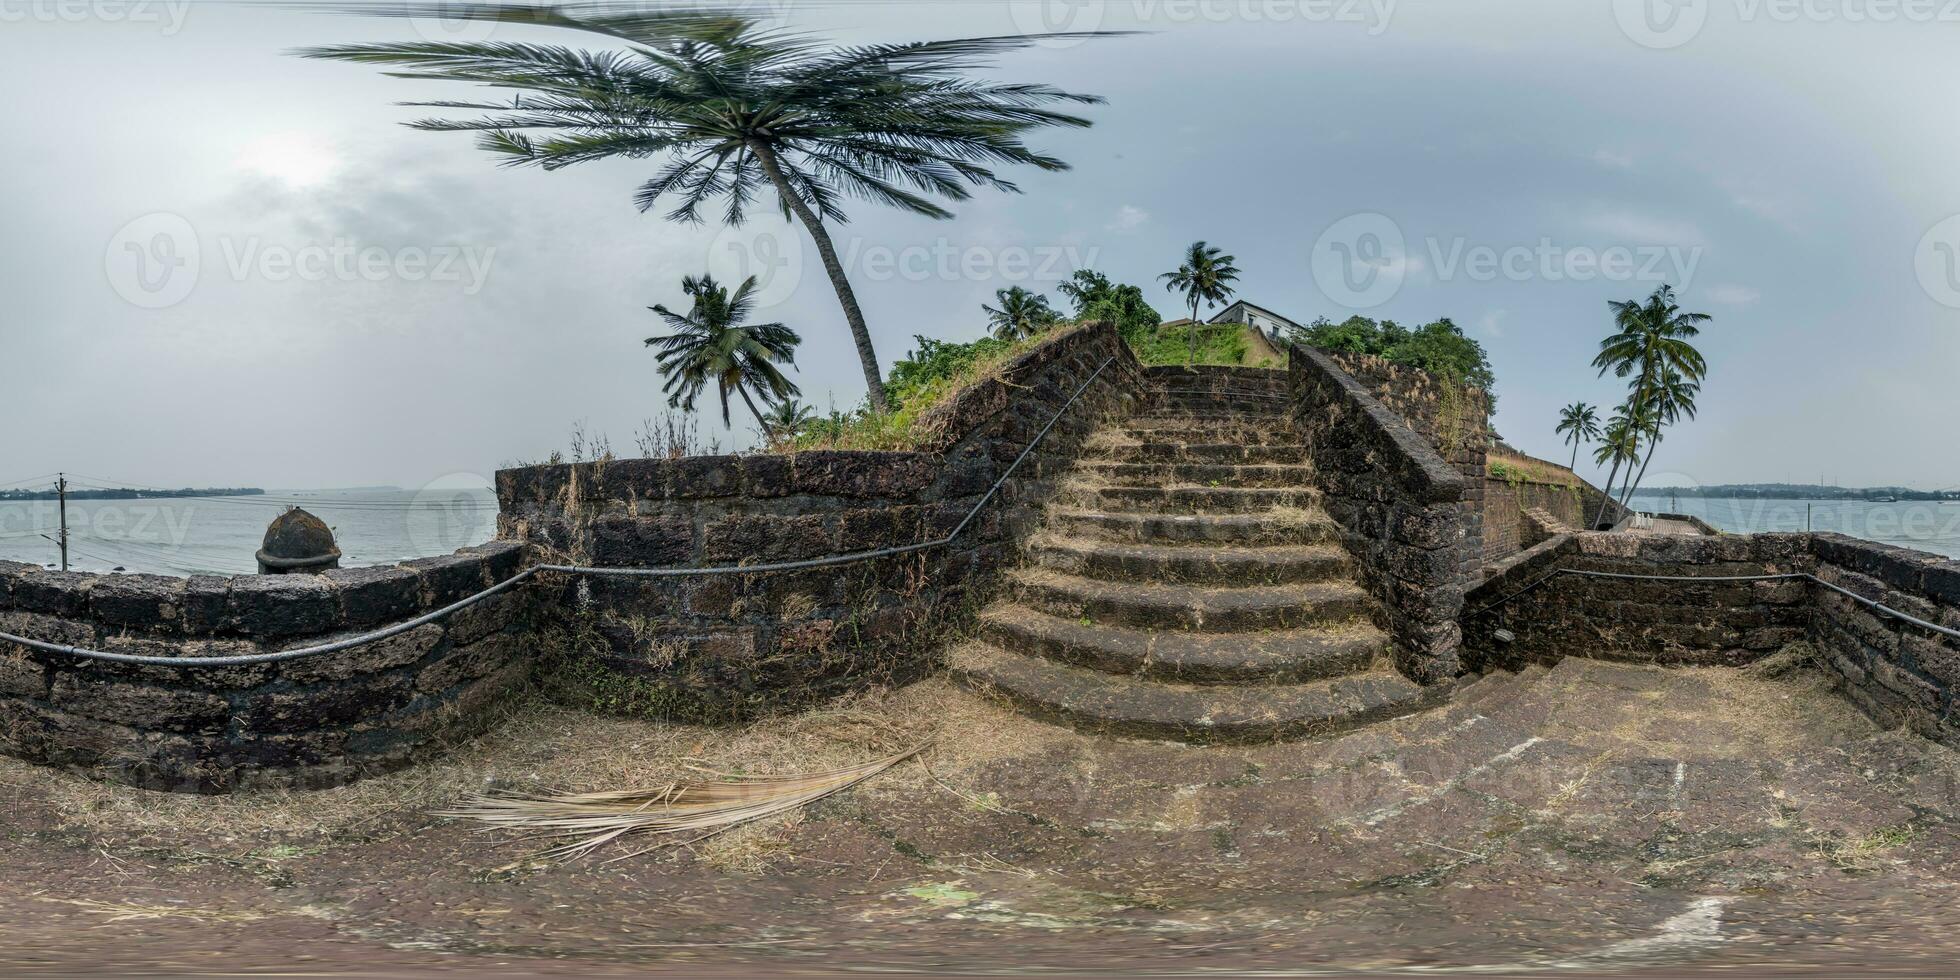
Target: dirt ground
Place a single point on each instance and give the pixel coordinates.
(1590, 819)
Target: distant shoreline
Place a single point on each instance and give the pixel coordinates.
(129, 494)
(1766, 491)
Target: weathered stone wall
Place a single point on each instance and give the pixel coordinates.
(1900, 674)
(311, 722)
(729, 646)
(1662, 622)
(1509, 502)
(1412, 518)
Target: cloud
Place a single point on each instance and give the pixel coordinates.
(1734, 294)
(1129, 217)
(1616, 161)
(1488, 323)
(1637, 228)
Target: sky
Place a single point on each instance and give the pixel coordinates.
(228, 266)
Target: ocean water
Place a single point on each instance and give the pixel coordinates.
(1928, 525)
(219, 535)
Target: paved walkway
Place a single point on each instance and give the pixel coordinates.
(1592, 818)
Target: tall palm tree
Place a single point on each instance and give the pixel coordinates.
(1204, 277)
(1651, 337)
(733, 109)
(1579, 423)
(1671, 398)
(712, 342)
(1021, 314)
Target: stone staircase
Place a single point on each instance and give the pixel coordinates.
(1185, 584)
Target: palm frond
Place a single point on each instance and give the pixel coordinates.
(681, 812)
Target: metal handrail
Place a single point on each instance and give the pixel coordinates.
(434, 615)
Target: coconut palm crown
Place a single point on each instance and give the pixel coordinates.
(1579, 424)
(1205, 277)
(1020, 315)
(733, 111)
(714, 342)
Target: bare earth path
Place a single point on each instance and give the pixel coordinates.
(1589, 819)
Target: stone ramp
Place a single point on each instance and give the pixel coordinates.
(1186, 584)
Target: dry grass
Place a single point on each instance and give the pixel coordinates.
(1526, 469)
(536, 746)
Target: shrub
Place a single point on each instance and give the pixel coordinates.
(1439, 348)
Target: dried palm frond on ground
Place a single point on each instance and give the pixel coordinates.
(697, 809)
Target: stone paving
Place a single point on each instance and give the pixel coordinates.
(1590, 818)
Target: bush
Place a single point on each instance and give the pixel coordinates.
(1439, 348)
(920, 381)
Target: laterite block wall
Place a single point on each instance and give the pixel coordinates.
(304, 723)
(717, 648)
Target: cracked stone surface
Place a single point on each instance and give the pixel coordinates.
(1592, 818)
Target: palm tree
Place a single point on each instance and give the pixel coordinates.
(1671, 398)
(786, 420)
(1579, 423)
(733, 109)
(1021, 314)
(1652, 337)
(1620, 445)
(1203, 277)
(713, 343)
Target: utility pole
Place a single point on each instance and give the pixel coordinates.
(61, 495)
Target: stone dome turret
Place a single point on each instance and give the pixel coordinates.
(296, 541)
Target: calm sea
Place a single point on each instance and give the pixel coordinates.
(218, 535)
(1924, 524)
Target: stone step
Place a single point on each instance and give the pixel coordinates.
(1152, 605)
(1212, 565)
(1202, 452)
(1292, 527)
(1108, 704)
(1211, 416)
(1217, 402)
(1240, 430)
(1277, 657)
(1187, 500)
(1196, 474)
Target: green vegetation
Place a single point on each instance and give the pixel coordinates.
(1097, 298)
(1184, 343)
(1439, 348)
(921, 381)
(1020, 315)
(735, 109)
(714, 342)
(1206, 277)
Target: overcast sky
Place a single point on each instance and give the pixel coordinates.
(224, 265)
